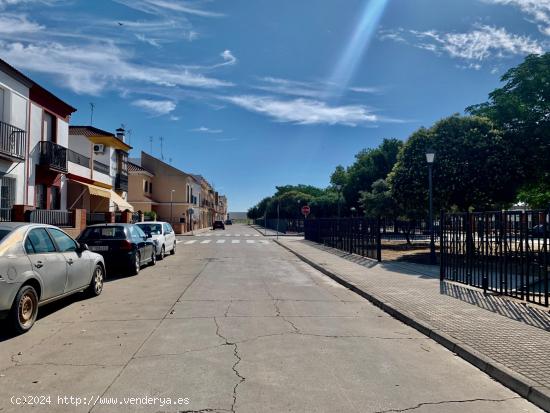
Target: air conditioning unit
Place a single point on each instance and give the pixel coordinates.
(99, 148)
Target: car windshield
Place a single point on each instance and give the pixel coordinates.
(114, 232)
(153, 229)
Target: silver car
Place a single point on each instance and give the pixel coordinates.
(40, 264)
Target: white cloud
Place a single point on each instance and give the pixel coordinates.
(537, 10)
(17, 24)
(304, 111)
(480, 44)
(365, 89)
(204, 129)
(155, 107)
(164, 7)
(92, 68)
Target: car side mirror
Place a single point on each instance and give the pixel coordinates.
(82, 247)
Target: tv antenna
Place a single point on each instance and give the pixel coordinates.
(151, 144)
(161, 151)
(92, 107)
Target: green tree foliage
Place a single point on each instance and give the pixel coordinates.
(474, 167)
(370, 165)
(379, 202)
(522, 109)
(339, 177)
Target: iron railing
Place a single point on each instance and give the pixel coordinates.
(53, 156)
(79, 159)
(102, 168)
(506, 252)
(12, 141)
(285, 226)
(5, 214)
(58, 218)
(121, 182)
(408, 230)
(354, 235)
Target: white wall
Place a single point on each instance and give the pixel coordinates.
(35, 134)
(80, 144)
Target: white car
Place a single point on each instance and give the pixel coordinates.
(163, 236)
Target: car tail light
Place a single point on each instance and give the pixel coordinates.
(126, 245)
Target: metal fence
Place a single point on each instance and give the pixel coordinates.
(404, 230)
(5, 214)
(59, 218)
(285, 226)
(506, 252)
(95, 218)
(354, 235)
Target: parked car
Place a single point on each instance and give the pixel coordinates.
(40, 264)
(538, 230)
(228, 222)
(218, 224)
(123, 246)
(163, 236)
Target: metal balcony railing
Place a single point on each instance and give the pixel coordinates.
(12, 141)
(58, 218)
(53, 156)
(79, 159)
(102, 168)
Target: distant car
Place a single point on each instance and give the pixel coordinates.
(40, 264)
(538, 230)
(123, 246)
(163, 236)
(218, 225)
(228, 222)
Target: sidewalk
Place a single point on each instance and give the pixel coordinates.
(506, 339)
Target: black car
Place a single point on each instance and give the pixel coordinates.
(228, 222)
(123, 246)
(218, 225)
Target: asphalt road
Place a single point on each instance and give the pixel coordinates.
(233, 322)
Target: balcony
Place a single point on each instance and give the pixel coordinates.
(102, 168)
(12, 142)
(79, 159)
(53, 156)
(121, 182)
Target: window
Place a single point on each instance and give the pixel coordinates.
(41, 193)
(50, 127)
(63, 241)
(150, 187)
(55, 197)
(167, 229)
(7, 192)
(40, 241)
(136, 233)
(146, 186)
(153, 229)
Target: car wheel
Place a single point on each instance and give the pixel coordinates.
(96, 285)
(24, 309)
(136, 265)
(173, 251)
(162, 253)
(153, 258)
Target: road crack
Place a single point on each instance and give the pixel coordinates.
(419, 405)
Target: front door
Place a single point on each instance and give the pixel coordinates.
(78, 268)
(46, 262)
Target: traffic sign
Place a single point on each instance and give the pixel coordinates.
(306, 210)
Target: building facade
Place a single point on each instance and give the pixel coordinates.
(98, 170)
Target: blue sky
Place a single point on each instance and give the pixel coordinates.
(258, 93)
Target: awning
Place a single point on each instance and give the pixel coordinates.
(120, 202)
(95, 190)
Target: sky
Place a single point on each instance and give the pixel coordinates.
(258, 93)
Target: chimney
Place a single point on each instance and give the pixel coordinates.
(120, 134)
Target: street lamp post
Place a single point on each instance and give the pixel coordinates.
(339, 189)
(171, 203)
(353, 209)
(430, 158)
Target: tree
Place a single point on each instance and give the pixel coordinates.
(521, 108)
(379, 202)
(474, 167)
(370, 165)
(339, 177)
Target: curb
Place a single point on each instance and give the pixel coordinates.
(528, 389)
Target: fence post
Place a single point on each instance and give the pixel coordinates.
(546, 240)
(442, 246)
(378, 240)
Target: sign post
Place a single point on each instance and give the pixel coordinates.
(306, 210)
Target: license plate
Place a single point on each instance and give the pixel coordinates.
(99, 248)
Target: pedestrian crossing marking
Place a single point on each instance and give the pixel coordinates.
(250, 241)
(224, 241)
(220, 241)
(235, 241)
(263, 241)
(206, 241)
(190, 242)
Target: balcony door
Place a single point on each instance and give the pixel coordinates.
(50, 124)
